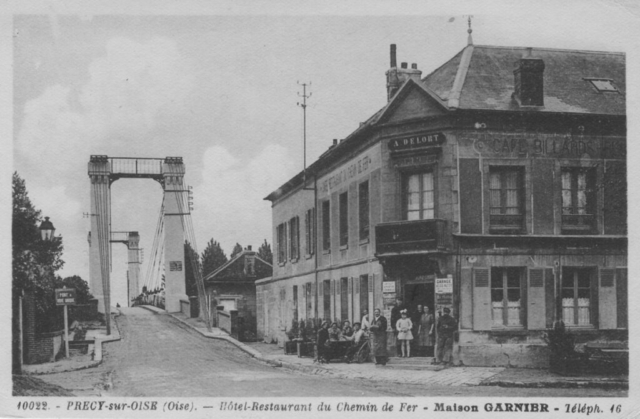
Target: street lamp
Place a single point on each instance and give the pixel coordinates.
(47, 229)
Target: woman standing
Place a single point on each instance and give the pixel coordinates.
(426, 337)
(404, 325)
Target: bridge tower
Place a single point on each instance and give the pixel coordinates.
(169, 172)
(131, 239)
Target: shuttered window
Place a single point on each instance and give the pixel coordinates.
(578, 200)
(507, 306)
(326, 300)
(482, 316)
(506, 206)
(419, 199)
(579, 306)
(363, 210)
(326, 226)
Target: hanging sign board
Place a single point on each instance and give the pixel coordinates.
(65, 296)
(175, 265)
(418, 141)
(444, 285)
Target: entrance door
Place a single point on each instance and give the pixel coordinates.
(414, 295)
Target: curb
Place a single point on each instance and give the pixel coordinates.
(610, 385)
(92, 364)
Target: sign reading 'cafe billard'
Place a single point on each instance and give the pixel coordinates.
(416, 141)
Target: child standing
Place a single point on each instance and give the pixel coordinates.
(404, 325)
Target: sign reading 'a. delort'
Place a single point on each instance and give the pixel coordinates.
(416, 141)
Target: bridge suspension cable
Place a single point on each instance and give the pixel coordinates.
(187, 224)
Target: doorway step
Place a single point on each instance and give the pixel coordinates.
(417, 363)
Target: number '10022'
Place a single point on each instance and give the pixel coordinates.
(32, 405)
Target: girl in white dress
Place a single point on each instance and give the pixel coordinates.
(404, 325)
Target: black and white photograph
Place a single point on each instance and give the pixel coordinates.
(369, 209)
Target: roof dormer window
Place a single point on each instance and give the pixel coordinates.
(603, 85)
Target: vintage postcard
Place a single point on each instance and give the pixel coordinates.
(370, 209)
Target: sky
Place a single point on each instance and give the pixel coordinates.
(220, 87)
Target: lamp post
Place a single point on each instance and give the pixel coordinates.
(47, 229)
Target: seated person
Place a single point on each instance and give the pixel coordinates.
(334, 332)
(323, 339)
(358, 338)
(347, 331)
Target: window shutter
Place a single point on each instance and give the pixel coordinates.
(466, 297)
(549, 294)
(307, 242)
(607, 300)
(594, 303)
(536, 307)
(481, 299)
(621, 298)
(357, 285)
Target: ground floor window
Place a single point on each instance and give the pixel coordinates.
(326, 300)
(344, 299)
(506, 296)
(576, 296)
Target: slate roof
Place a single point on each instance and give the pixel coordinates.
(230, 270)
(480, 77)
(489, 81)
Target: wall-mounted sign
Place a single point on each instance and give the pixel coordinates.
(416, 141)
(411, 161)
(65, 296)
(444, 285)
(175, 265)
(389, 286)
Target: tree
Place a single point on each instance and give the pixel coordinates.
(83, 296)
(213, 257)
(35, 261)
(265, 253)
(190, 256)
(236, 249)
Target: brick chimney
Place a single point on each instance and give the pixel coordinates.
(397, 76)
(529, 80)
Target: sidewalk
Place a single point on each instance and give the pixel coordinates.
(453, 376)
(92, 358)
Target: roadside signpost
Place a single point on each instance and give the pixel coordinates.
(66, 297)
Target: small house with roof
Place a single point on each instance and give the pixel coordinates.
(495, 186)
(232, 287)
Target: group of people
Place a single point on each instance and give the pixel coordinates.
(328, 337)
(420, 328)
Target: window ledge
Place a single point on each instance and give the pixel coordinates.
(326, 251)
(282, 263)
(364, 241)
(308, 256)
(344, 247)
(294, 260)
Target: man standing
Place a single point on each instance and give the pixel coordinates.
(379, 338)
(322, 341)
(445, 326)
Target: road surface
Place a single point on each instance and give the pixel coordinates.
(158, 357)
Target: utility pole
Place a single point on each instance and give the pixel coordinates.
(303, 105)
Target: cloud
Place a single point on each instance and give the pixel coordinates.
(128, 92)
(229, 204)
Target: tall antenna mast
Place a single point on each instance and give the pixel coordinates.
(303, 105)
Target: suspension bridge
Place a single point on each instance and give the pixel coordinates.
(173, 228)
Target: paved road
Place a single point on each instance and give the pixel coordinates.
(157, 357)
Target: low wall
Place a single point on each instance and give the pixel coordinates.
(228, 321)
(43, 347)
(185, 308)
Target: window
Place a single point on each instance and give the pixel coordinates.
(344, 299)
(419, 196)
(578, 200)
(282, 243)
(364, 294)
(295, 302)
(326, 226)
(326, 301)
(506, 297)
(294, 238)
(363, 210)
(310, 231)
(603, 85)
(576, 296)
(308, 299)
(344, 219)
(506, 205)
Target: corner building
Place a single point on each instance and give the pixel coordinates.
(496, 186)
